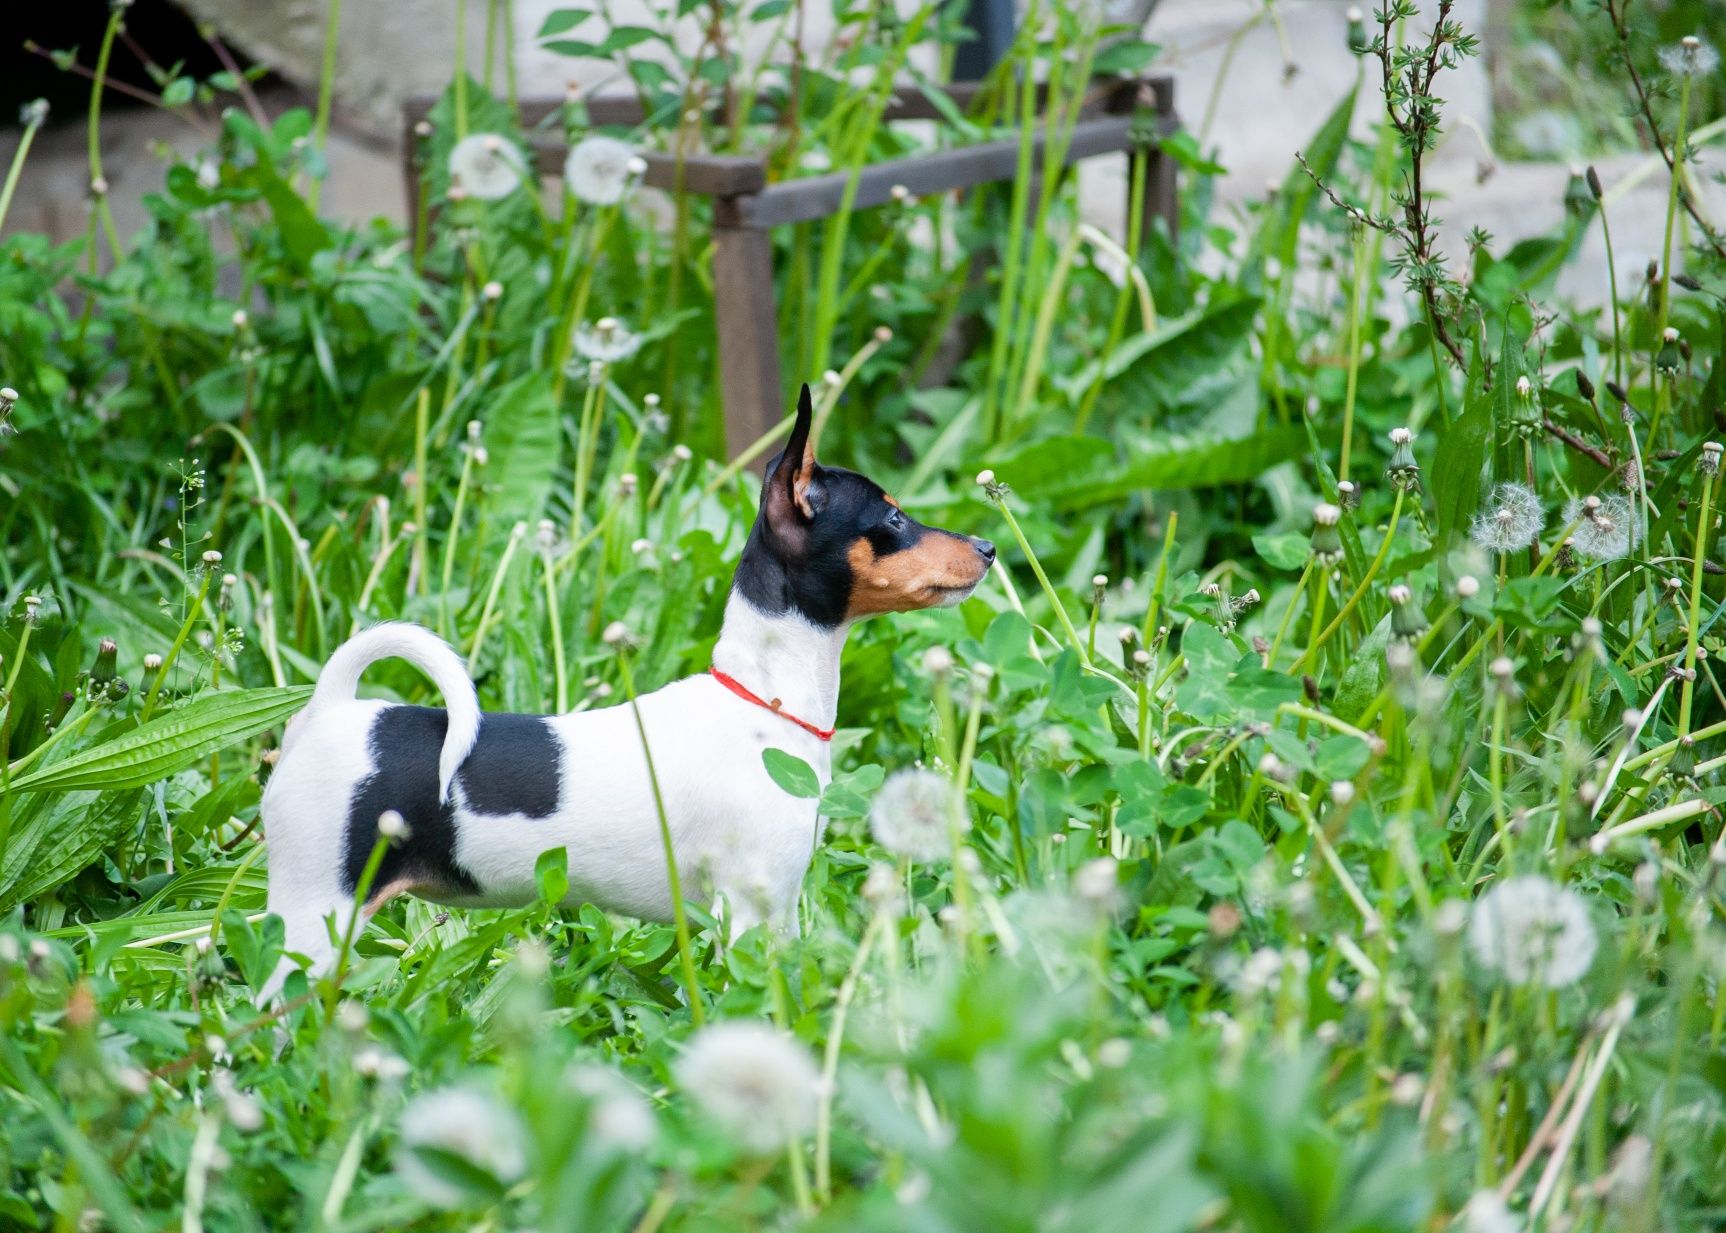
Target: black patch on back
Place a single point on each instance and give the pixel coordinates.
(513, 769)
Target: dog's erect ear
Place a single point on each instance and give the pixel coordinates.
(792, 494)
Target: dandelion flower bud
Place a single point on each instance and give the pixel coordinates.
(1524, 387)
(152, 662)
(1667, 359)
(682, 452)
(1467, 587)
(8, 397)
(615, 633)
(899, 193)
(392, 826)
(99, 186)
(33, 114)
(985, 478)
(937, 661)
(1711, 457)
(1503, 669)
(1407, 618)
(1403, 469)
(883, 335)
(627, 483)
(107, 655)
(212, 557)
(1326, 540)
(831, 379)
(1342, 792)
(241, 319)
(1272, 767)
(1141, 657)
(493, 290)
(1100, 581)
(1347, 494)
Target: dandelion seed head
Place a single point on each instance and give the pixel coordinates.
(1532, 931)
(756, 1084)
(606, 341)
(619, 1120)
(1689, 57)
(937, 661)
(1097, 885)
(486, 166)
(469, 1124)
(1487, 1213)
(599, 170)
(1605, 527)
(913, 813)
(1511, 520)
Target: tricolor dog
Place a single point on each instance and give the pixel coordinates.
(483, 795)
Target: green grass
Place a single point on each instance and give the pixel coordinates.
(1327, 873)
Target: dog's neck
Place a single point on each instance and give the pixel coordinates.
(785, 657)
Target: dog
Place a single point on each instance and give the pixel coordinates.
(481, 796)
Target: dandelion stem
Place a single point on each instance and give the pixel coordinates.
(1700, 554)
(680, 919)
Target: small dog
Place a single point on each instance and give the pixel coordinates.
(482, 796)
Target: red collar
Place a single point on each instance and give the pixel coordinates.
(742, 691)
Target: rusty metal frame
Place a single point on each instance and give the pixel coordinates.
(746, 206)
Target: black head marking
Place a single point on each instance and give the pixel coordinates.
(831, 545)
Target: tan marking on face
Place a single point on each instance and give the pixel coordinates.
(931, 573)
(891, 501)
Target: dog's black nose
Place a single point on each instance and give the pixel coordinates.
(985, 549)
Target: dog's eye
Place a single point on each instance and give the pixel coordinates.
(896, 520)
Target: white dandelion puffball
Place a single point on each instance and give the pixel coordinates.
(1487, 1213)
(1604, 529)
(486, 166)
(620, 1119)
(606, 341)
(1533, 931)
(755, 1083)
(1510, 521)
(913, 815)
(598, 170)
(462, 1122)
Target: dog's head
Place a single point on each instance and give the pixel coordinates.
(833, 546)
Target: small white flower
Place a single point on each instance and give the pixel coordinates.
(913, 815)
(614, 633)
(492, 290)
(985, 478)
(1467, 587)
(486, 166)
(620, 1120)
(1605, 527)
(598, 170)
(392, 826)
(1342, 792)
(1511, 521)
(1531, 930)
(937, 661)
(756, 1084)
(462, 1122)
(606, 341)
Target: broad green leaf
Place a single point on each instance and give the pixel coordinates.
(1181, 462)
(62, 840)
(169, 742)
(1459, 457)
(792, 773)
(522, 438)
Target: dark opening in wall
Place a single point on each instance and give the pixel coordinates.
(155, 29)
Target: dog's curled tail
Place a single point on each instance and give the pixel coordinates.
(431, 655)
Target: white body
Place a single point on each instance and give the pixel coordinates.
(737, 835)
